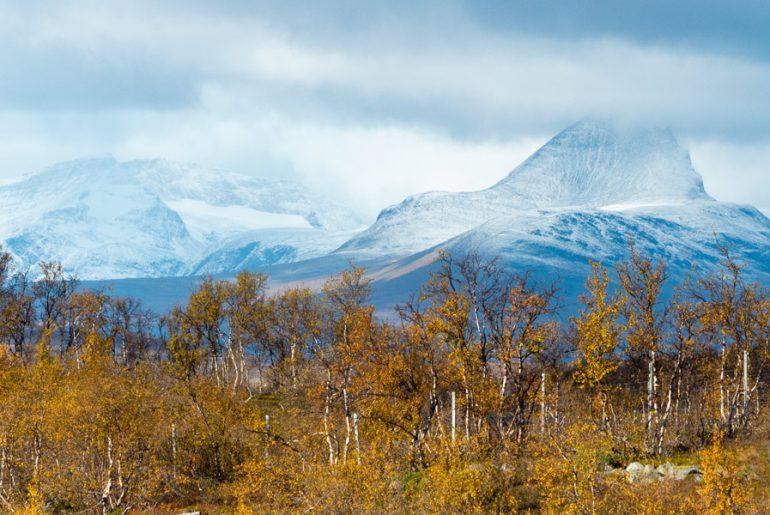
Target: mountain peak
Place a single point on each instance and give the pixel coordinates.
(597, 163)
(593, 165)
(105, 218)
(85, 163)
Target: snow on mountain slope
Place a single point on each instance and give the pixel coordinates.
(269, 247)
(106, 219)
(593, 163)
(180, 181)
(563, 241)
(206, 221)
(589, 165)
(584, 195)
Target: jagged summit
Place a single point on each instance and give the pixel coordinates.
(596, 163)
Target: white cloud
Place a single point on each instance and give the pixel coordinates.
(370, 116)
(735, 172)
(369, 167)
(470, 72)
(379, 166)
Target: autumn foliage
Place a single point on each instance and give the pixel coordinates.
(478, 395)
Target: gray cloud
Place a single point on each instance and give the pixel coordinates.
(62, 81)
(716, 26)
(420, 94)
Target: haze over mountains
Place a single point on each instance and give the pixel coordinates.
(583, 195)
(153, 218)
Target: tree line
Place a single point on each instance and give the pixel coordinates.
(477, 395)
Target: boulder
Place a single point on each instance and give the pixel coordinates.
(639, 473)
(681, 473)
(634, 471)
(667, 470)
(650, 473)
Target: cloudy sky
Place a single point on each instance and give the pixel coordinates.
(371, 101)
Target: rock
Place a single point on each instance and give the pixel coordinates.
(650, 473)
(610, 471)
(634, 471)
(666, 470)
(638, 473)
(681, 473)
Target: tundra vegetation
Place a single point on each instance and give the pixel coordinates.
(478, 396)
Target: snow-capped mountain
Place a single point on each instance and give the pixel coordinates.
(590, 165)
(584, 195)
(149, 218)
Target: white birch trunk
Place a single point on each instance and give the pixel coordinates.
(355, 435)
(173, 450)
(454, 418)
(745, 384)
(542, 402)
(722, 384)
